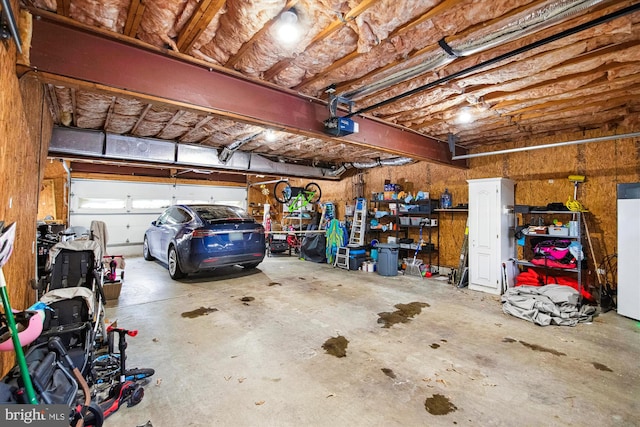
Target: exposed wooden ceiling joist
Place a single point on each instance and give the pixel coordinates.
(62, 7)
(198, 23)
(134, 16)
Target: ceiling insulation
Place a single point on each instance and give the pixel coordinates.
(405, 69)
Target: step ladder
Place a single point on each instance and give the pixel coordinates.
(359, 225)
(342, 258)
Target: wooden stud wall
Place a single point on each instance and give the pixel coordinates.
(25, 129)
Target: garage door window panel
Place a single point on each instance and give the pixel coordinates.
(151, 204)
(100, 204)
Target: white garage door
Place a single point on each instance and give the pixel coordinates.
(127, 208)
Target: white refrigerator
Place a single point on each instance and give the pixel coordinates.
(629, 250)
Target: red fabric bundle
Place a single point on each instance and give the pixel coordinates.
(532, 278)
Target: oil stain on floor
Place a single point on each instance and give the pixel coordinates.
(537, 347)
(439, 405)
(388, 372)
(601, 367)
(202, 311)
(336, 346)
(247, 300)
(403, 314)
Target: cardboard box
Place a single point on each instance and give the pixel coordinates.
(112, 290)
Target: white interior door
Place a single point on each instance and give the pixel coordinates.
(482, 234)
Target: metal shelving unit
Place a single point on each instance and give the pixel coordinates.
(425, 211)
(574, 216)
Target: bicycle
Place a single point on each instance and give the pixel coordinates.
(107, 370)
(296, 197)
(113, 383)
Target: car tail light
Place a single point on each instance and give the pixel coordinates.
(198, 234)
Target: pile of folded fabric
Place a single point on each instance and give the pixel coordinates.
(547, 305)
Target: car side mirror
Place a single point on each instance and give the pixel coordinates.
(154, 223)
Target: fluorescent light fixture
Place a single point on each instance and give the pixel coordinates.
(288, 30)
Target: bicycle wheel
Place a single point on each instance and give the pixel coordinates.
(138, 374)
(314, 188)
(282, 191)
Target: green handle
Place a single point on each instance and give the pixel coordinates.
(11, 323)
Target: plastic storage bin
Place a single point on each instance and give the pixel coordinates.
(387, 259)
(357, 255)
(558, 231)
(355, 262)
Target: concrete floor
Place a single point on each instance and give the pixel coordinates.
(262, 362)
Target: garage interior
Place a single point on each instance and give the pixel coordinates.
(426, 95)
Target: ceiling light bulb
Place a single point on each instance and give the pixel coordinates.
(465, 116)
(288, 17)
(269, 135)
(287, 30)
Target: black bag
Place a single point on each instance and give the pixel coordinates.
(314, 248)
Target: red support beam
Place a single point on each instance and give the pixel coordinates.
(61, 49)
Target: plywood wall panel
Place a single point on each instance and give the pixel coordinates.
(541, 177)
(23, 126)
(54, 170)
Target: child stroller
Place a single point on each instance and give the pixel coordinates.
(40, 376)
(73, 292)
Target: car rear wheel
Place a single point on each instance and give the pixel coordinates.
(251, 265)
(145, 250)
(174, 266)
